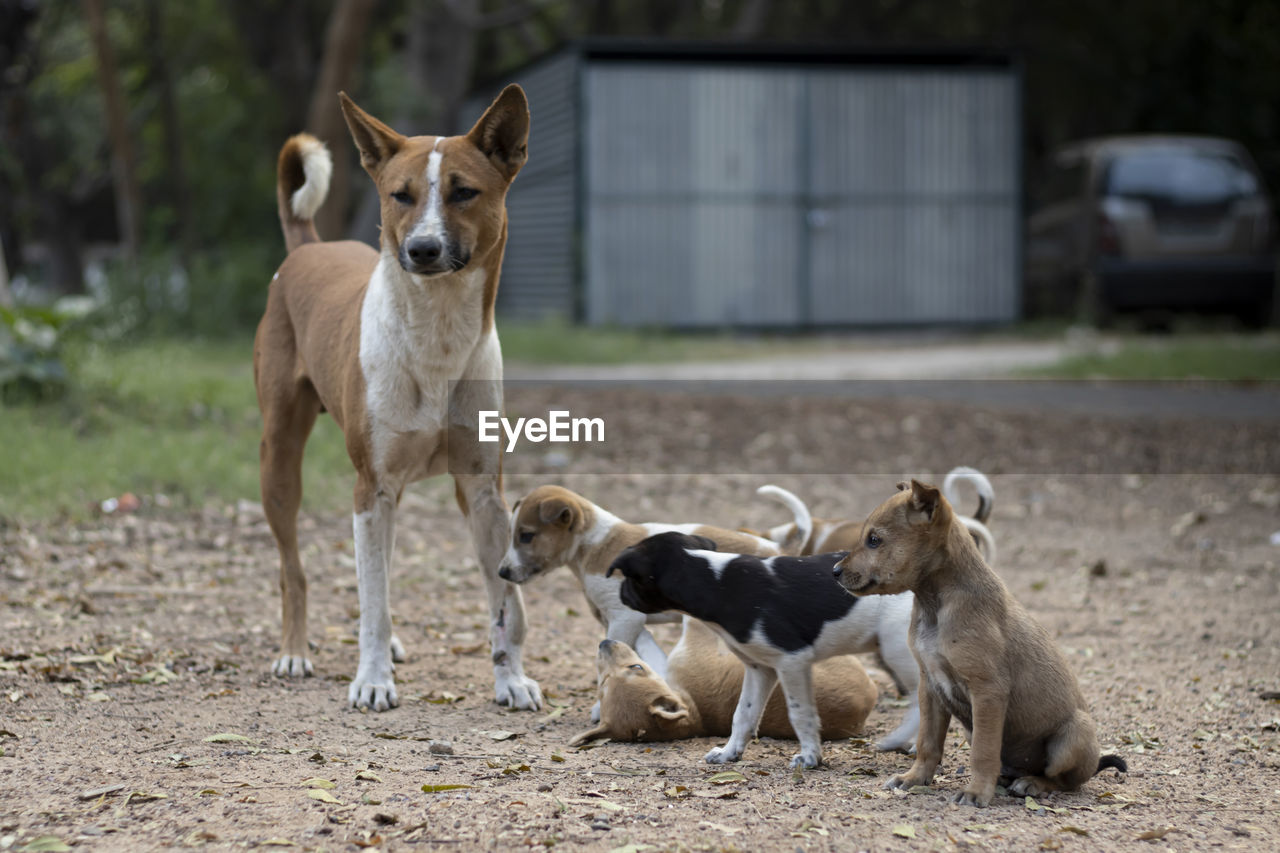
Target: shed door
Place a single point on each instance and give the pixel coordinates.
(693, 212)
(913, 197)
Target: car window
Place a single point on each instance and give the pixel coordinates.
(1194, 176)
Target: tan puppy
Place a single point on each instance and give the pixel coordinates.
(698, 697)
(982, 658)
(553, 527)
(399, 347)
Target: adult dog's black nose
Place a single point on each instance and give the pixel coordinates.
(504, 573)
(837, 571)
(424, 251)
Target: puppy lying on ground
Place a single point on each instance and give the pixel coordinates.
(983, 659)
(779, 615)
(552, 527)
(704, 680)
(807, 535)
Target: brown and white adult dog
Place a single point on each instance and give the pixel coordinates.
(399, 346)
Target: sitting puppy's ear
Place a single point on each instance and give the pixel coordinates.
(924, 499)
(702, 543)
(665, 709)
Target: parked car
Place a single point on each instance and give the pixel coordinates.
(1151, 223)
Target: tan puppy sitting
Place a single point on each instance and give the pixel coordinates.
(701, 691)
(982, 658)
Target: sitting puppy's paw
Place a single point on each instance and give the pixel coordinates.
(595, 713)
(972, 798)
(722, 755)
(1027, 786)
(806, 760)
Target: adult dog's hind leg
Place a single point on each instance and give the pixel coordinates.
(286, 424)
(480, 498)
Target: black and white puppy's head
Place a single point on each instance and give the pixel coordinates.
(648, 565)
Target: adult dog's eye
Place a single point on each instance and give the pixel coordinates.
(637, 667)
(873, 541)
(402, 197)
(526, 536)
(461, 194)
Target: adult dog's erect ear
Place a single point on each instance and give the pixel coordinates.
(502, 133)
(377, 142)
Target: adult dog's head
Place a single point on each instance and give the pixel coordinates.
(443, 198)
(649, 566)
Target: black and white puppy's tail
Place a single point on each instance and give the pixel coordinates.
(986, 500)
(799, 534)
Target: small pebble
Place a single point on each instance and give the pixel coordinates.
(440, 747)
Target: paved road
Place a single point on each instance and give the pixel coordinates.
(974, 373)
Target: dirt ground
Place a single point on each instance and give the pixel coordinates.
(137, 711)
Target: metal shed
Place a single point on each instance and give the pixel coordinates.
(718, 186)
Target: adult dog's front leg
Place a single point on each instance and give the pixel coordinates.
(757, 684)
(480, 498)
(374, 524)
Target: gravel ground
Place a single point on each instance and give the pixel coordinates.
(137, 711)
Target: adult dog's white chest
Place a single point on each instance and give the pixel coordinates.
(416, 337)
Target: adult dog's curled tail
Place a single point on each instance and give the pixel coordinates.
(302, 182)
(794, 543)
(1112, 761)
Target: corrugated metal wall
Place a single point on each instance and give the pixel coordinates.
(765, 195)
(914, 182)
(789, 196)
(540, 267)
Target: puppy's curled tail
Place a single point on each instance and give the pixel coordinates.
(302, 182)
(804, 521)
(980, 483)
(1112, 761)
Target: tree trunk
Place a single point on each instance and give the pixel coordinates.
(123, 172)
(175, 165)
(342, 43)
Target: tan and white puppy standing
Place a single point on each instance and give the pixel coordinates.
(399, 346)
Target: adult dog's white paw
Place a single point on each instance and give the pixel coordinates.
(378, 694)
(721, 755)
(806, 760)
(397, 650)
(292, 666)
(595, 713)
(518, 691)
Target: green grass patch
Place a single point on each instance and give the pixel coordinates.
(553, 342)
(1228, 357)
(178, 419)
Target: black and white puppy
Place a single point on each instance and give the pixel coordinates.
(780, 615)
